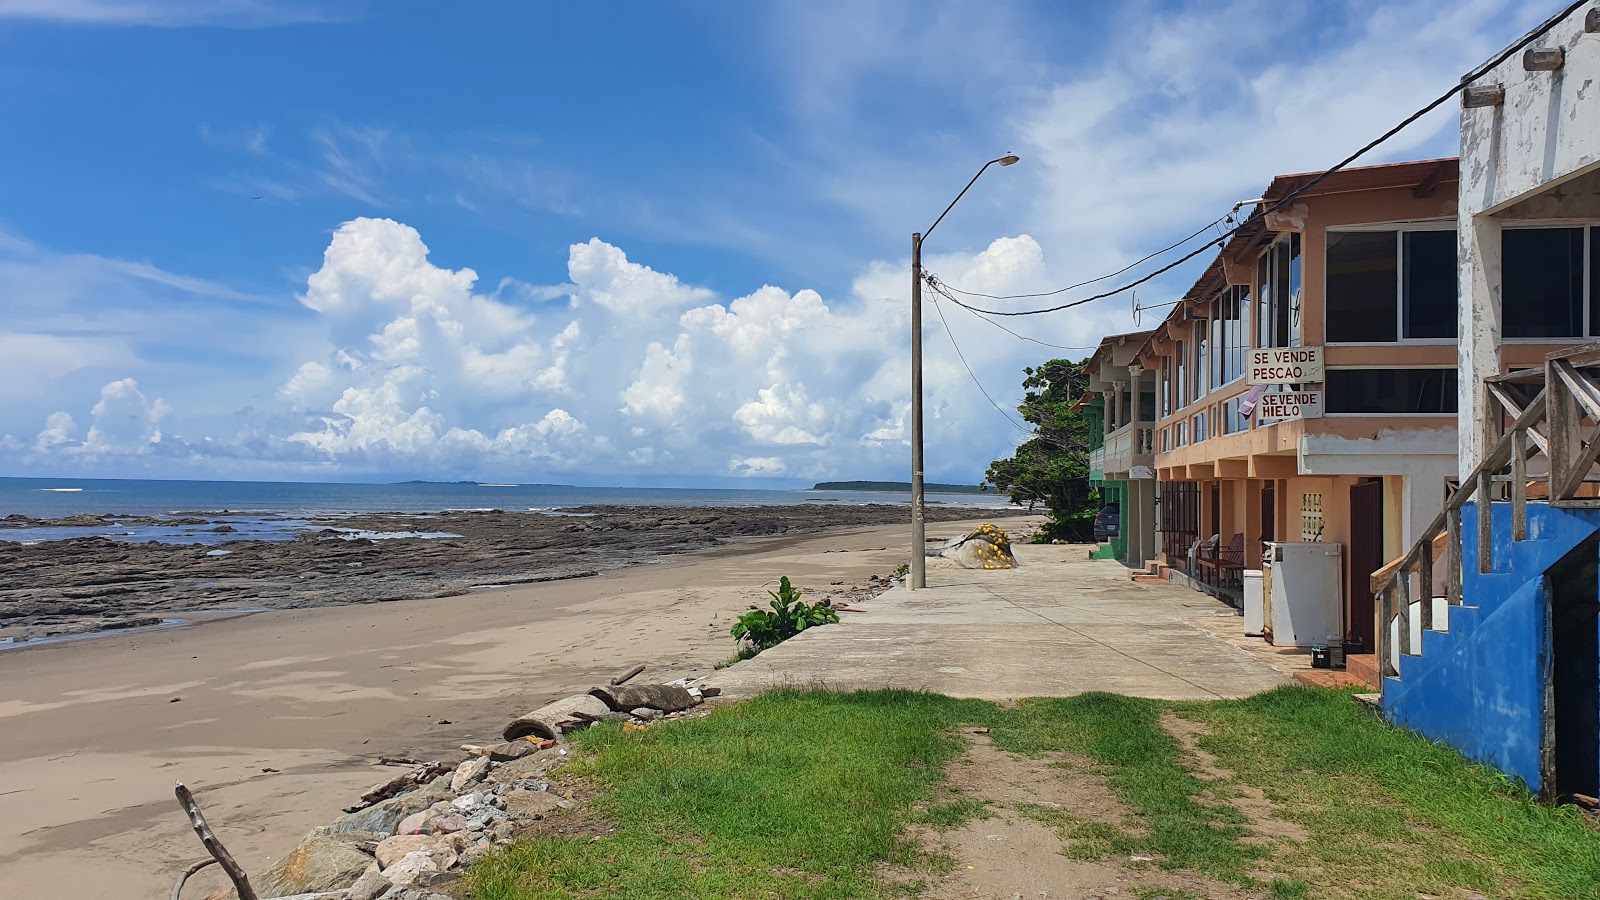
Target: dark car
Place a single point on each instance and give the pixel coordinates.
(1108, 522)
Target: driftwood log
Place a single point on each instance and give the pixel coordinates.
(177, 889)
(420, 775)
(241, 881)
(551, 720)
(664, 697)
(627, 675)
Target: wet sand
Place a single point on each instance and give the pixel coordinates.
(281, 716)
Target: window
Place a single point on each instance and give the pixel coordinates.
(1386, 284)
(1164, 395)
(1232, 422)
(1390, 391)
(1542, 282)
(1233, 314)
(1200, 370)
(1278, 275)
(1181, 383)
(1200, 427)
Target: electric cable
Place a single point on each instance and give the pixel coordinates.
(1259, 213)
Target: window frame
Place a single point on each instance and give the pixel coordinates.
(1590, 227)
(1398, 228)
(1390, 415)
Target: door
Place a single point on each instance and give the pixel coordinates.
(1366, 557)
(1269, 512)
(1575, 671)
(1216, 510)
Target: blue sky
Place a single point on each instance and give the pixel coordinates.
(234, 235)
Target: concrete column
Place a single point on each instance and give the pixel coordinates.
(1480, 335)
(1122, 411)
(1110, 401)
(1134, 374)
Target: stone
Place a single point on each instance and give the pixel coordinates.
(534, 766)
(383, 818)
(322, 862)
(416, 823)
(391, 850)
(504, 831)
(450, 824)
(370, 886)
(511, 750)
(470, 773)
(645, 713)
(532, 804)
(470, 803)
(410, 869)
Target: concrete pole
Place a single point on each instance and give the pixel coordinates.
(1133, 517)
(919, 562)
(1479, 328)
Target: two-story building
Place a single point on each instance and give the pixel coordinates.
(1122, 446)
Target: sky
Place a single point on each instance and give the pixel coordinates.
(630, 243)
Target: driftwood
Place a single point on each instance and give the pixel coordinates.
(420, 775)
(551, 720)
(665, 697)
(241, 881)
(625, 676)
(183, 879)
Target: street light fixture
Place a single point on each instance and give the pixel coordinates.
(919, 565)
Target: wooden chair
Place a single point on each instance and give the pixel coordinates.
(1205, 556)
(1230, 564)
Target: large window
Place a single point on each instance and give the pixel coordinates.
(1180, 384)
(1202, 368)
(1233, 311)
(1542, 278)
(1383, 285)
(1279, 292)
(1232, 421)
(1391, 391)
(1164, 395)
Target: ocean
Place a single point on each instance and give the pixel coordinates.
(271, 510)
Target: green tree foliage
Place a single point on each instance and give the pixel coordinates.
(1051, 469)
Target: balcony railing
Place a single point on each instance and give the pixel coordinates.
(1128, 447)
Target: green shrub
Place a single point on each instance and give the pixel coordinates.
(787, 617)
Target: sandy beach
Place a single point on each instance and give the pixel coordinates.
(277, 719)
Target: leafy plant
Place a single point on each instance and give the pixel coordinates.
(901, 570)
(788, 616)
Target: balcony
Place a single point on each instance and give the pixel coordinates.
(1129, 453)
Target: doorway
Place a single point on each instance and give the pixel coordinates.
(1575, 670)
(1269, 512)
(1216, 508)
(1366, 557)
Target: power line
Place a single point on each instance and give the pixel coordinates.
(973, 375)
(1259, 213)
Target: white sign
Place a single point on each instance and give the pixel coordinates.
(1278, 406)
(1285, 365)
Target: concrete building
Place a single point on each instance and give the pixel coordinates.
(1503, 663)
(1122, 449)
(1342, 311)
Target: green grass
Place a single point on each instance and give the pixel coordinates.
(802, 795)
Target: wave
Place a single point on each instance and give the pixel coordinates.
(62, 490)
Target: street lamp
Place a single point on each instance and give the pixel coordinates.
(919, 535)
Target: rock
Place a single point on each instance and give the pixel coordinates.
(532, 804)
(322, 862)
(534, 766)
(370, 886)
(665, 697)
(416, 823)
(396, 848)
(383, 818)
(645, 713)
(504, 831)
(470, 803)
(450, 824)
(410, 869)
(554, 719)
(511, 750)
(987, 547)
(470, 773)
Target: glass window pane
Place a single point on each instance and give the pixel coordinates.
(1431, 280)
(1594, 280)
(1360, 305)
(1296, 290)
(1389, 391)
(1542, 282)
(1280, 294)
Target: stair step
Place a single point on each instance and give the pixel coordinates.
(1363, 667)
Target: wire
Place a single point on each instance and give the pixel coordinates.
(973, 375)
(1259, 213)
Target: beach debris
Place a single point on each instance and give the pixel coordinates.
(197, 821)
(987, 547)
(177, 889)
(398, 761)
(419, 775)
(664, 697)
(627, 675)
(555, 719)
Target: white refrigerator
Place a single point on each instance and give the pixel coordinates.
(1304, 591)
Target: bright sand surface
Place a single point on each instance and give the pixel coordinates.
(283, 714)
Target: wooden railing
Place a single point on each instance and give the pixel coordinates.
(1546, 420)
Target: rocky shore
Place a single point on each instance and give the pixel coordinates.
(89, 584)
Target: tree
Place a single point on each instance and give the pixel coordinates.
(1052, 467)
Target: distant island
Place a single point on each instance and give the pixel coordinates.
(899, 486)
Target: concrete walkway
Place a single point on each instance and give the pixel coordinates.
(1057, 625)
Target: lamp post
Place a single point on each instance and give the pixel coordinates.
(919, 564)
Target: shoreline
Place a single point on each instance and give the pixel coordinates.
(276, 719)
(94, 584)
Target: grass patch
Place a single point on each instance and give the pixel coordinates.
(803, 794)
(789, 795)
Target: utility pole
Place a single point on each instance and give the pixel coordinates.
(918, 575)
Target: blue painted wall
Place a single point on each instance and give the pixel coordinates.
(1480, 686)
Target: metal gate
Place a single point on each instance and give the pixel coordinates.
(1180, 520)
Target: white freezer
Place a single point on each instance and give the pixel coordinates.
(1304, 588)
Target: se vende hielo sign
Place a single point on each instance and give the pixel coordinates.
(1278, 407)
(1284, 365)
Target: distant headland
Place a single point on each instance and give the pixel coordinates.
(894, 486)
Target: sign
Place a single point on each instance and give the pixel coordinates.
(1281, 405)
(1284, 365)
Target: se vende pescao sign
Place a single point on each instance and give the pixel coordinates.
(1284, 365)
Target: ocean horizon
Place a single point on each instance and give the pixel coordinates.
(58, 497)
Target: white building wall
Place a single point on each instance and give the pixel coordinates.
(1546, 132)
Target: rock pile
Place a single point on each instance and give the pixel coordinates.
(411, 833)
